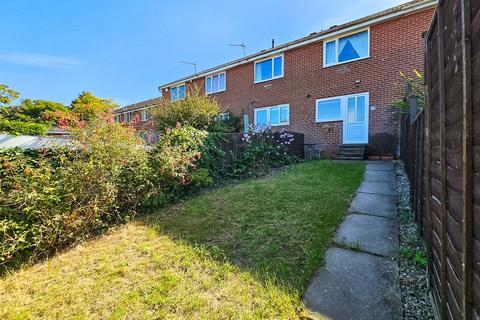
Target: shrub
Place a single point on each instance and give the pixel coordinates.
(262, 151)
(17, 127)
(174, 162)
(412, 87)
(196, 110)
(225, 123)
(213, 158)
(50, 200)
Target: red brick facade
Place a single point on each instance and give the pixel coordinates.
(395, 45)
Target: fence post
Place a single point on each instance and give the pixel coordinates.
(443, 167)
(467, 166)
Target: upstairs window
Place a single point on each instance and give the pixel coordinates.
(144, 114)
(269, 69)
(128, 117)
(348, 48)
(273, 116)
(177, 92)
(215, 83)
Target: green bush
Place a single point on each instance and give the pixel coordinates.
(225, 123)
(196, 110)
(50, 200)
(17, 127)
(262, 151)
(213, 158)
(174, 162)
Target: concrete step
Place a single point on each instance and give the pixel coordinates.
(351, 152)
(349, 157)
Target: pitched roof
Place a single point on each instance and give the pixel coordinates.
(137, 106)
(403, 9)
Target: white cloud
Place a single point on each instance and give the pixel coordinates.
(39, 60)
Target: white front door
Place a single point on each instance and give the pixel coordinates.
(355, 118)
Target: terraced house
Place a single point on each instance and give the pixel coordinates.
(337, 86)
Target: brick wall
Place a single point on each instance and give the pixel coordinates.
(396, 45)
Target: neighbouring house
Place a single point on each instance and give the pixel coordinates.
(137, 113)
(336, 86)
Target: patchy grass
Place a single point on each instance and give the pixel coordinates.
(242, 251)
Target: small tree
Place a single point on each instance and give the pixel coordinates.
(196, 110)
(87, 106)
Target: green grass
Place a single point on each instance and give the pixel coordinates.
(244, 251)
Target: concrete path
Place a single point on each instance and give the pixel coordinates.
(359, 279)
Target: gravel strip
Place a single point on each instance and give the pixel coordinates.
(413, 276)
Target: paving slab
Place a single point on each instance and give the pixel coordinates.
(384, 188)
(369, 233)
(380, 176)
(354, 286)
(376, 204)
(380, 166)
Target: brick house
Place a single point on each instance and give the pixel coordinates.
(137, 113)
(335, 86)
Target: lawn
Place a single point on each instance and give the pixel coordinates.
(246, 250)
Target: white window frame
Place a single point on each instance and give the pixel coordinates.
(268, 114)
(211, 77)
(343, 107)
(128, 117)
(177, 97)
(336, 39)
(143, 114)
(330, 119)
(273, 70)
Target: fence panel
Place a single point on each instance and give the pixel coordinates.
(441, 152)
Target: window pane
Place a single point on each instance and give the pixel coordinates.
(329, 110)
(330, 52)
(173, 93)
(263, 70)
(215, 83)
(274, 116)
(353, 47)
(245, 123)
(284, 115)
(277, 66)
(208, 85)
(181, 92)
(261, 118)
(361, 108)
(351, 114)
(221, 81)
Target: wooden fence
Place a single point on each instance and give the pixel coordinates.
(441, 151)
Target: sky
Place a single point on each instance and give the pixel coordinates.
(124, 49)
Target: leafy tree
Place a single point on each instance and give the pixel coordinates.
(196, 110)
(7, 95)
(35, 108)
(88, 107)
